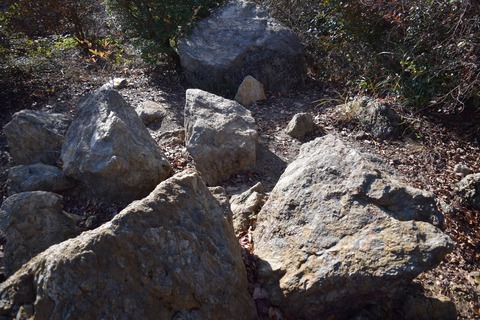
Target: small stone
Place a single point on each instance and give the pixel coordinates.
(300, 125)
(469, 188)
(250, 90)
(462, 170)
(150, 112)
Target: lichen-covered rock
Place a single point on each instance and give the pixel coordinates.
(38, 177)
(337, 233)
(31, 222)
(238, 40)
(171, 255)
(221, 136)
(35, 136)
(109, 149)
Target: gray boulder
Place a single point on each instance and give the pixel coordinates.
(469, 188)
(246, 205)
(110, 150)
(250, 91)
(337, 233)
(31, 222)
(241, 39)
(300, 125)
(171, 255)
(220, 135)
(38, 177)
(35, 136)
(376, 117)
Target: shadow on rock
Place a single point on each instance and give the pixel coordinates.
(409, 303)
(269, 167)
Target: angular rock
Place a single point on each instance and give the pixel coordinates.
(244, 205)
(150, 112)
(31, 222)
(38, 177)
(337, 233)
(300, 125)
(238, 40)
(221, 136)
(469, 188)
(110, 150)
(171, 255)
(375, 116)
(35, 136)
(250, 91)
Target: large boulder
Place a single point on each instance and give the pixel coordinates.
(38, 177)
(221, 136)
(171, 255)
(337, 233)
(35, 136)
(31, 222)
(238, 40)
(109, 149)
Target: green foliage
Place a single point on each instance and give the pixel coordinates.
(156, 25)
(425, 52)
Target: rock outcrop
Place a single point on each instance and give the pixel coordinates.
(35, 136)
(171, 255)
(38, 177)
(337, 233)
(238, 40)
(220, 134)
(110, 150)
(31, 222)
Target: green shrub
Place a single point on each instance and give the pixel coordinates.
(424, 51)
(157, 24)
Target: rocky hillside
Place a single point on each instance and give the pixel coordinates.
(296, 204)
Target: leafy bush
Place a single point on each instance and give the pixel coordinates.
(157, 24)
(423, 51)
